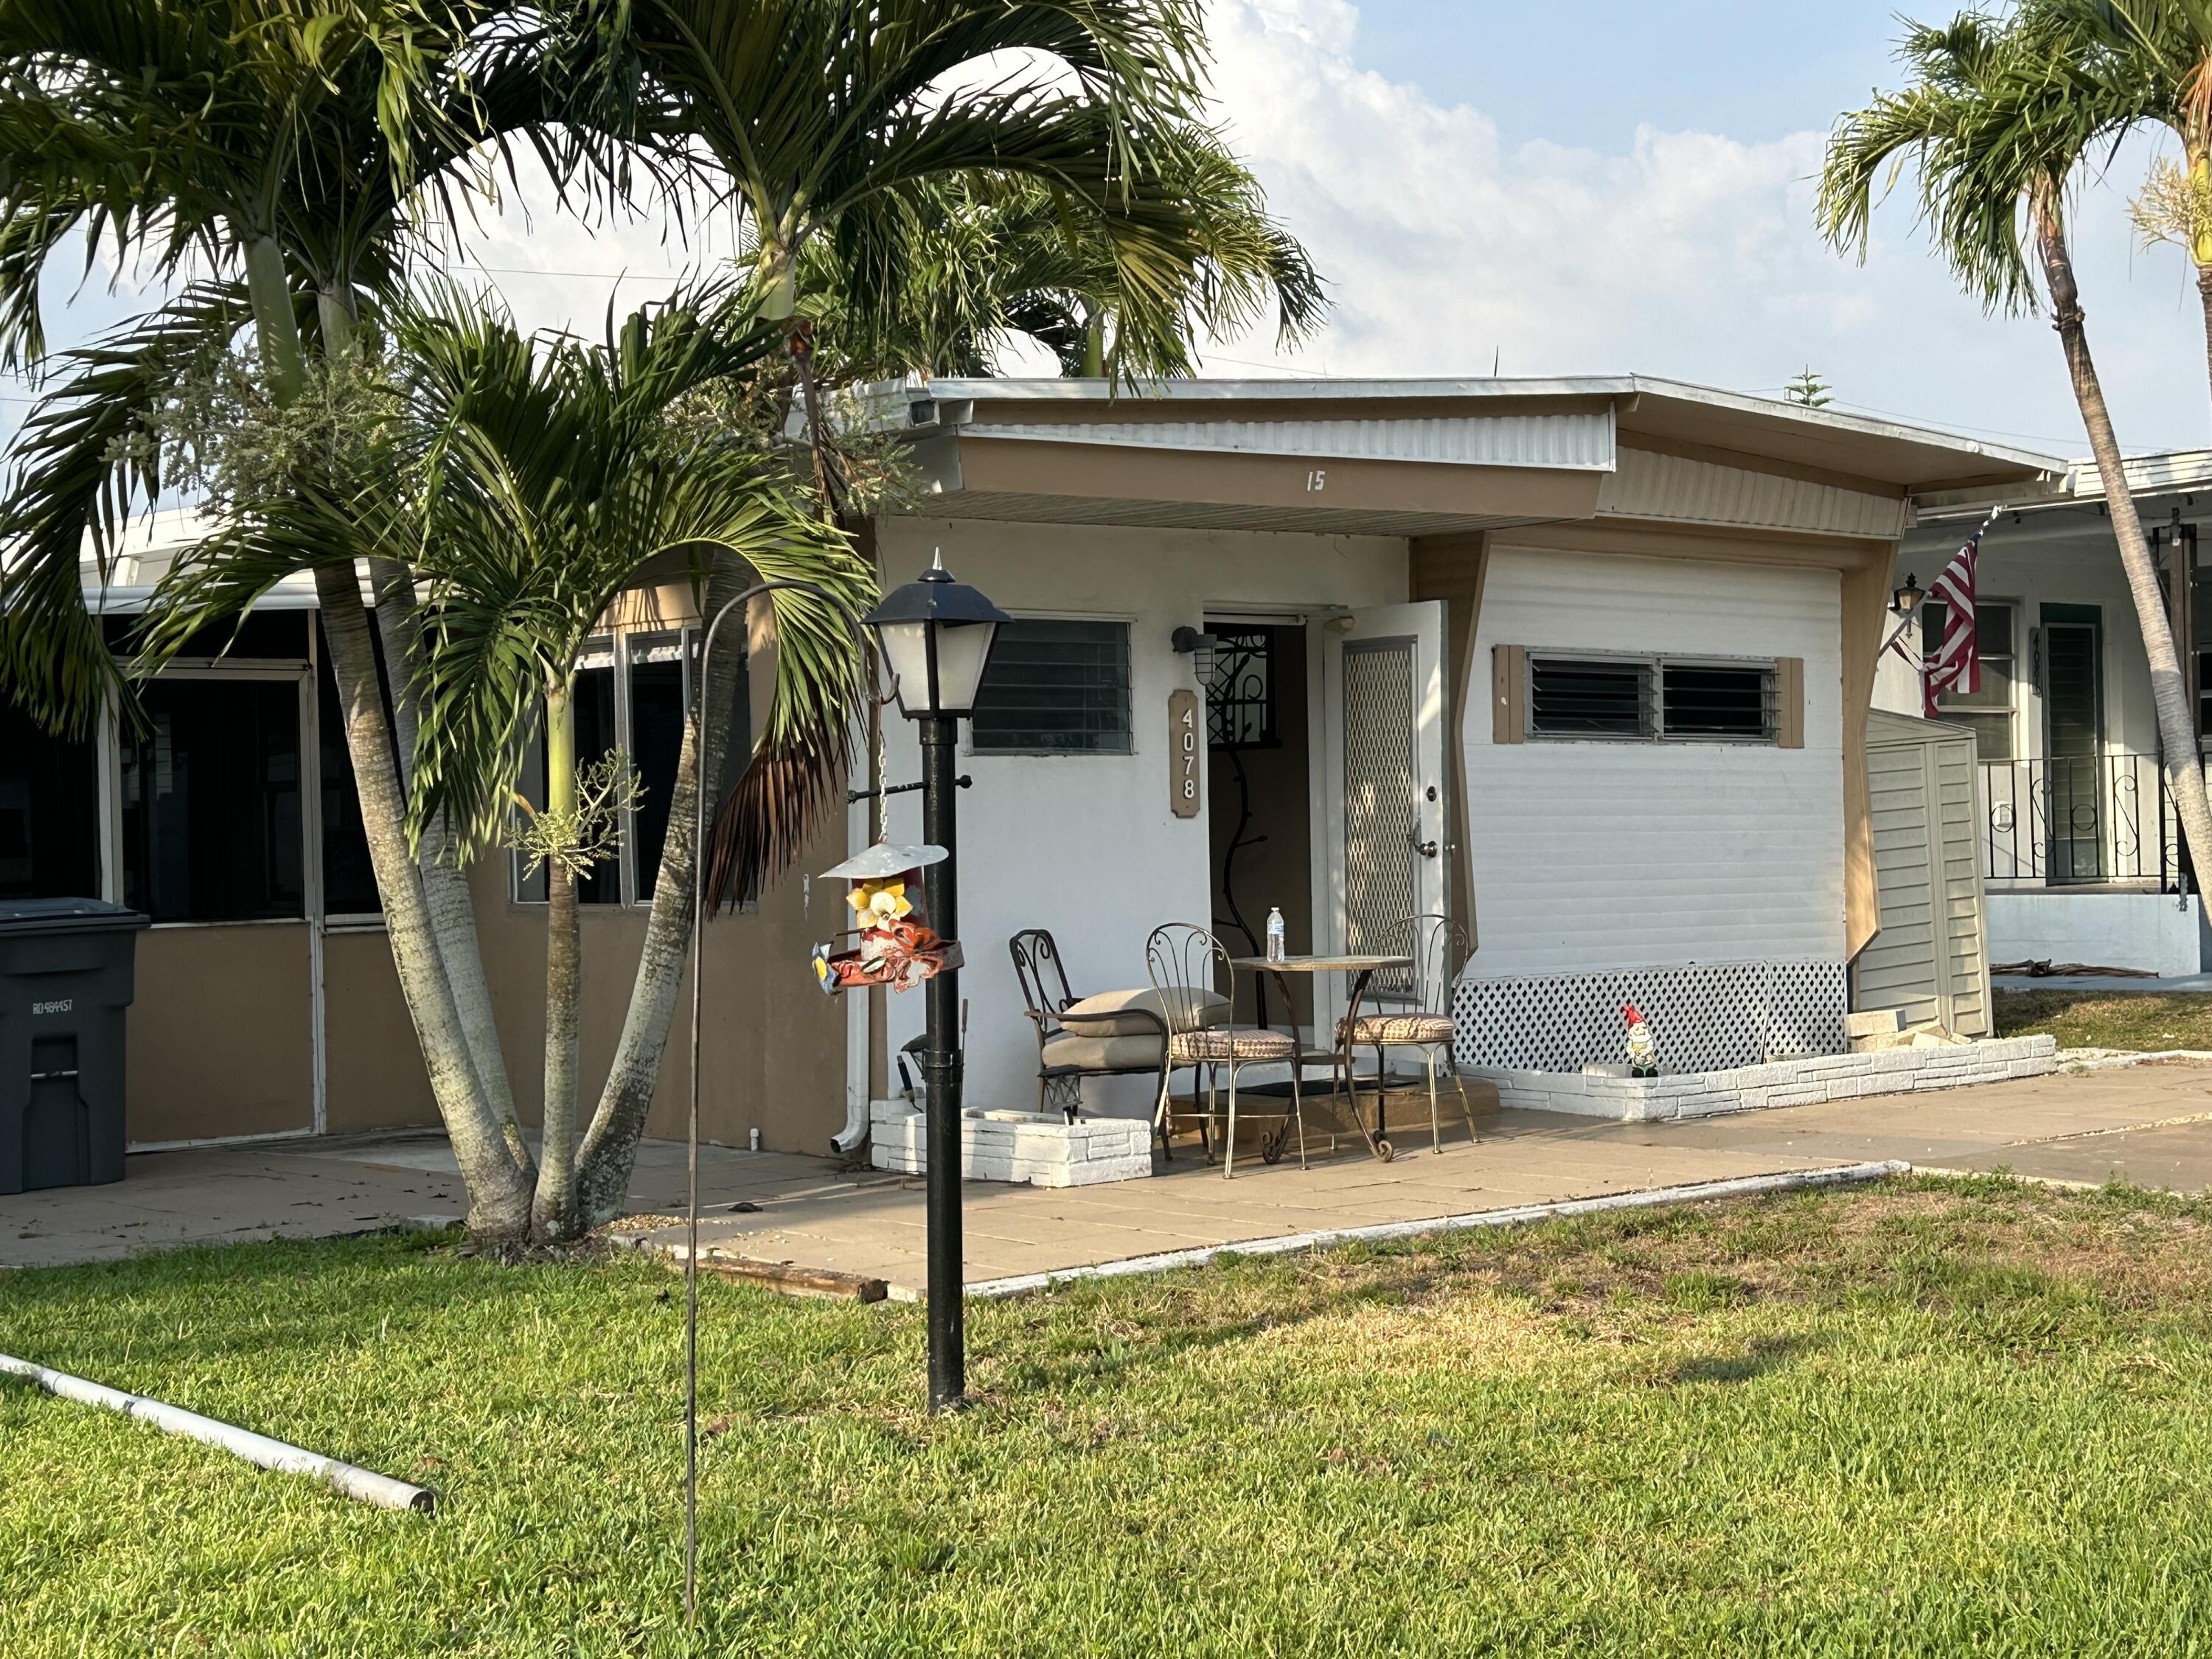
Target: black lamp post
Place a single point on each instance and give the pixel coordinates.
(937, 636)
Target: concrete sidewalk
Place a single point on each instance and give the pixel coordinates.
(2082, 1126)
(2150, 1124)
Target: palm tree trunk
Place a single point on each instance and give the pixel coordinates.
(2177, 722)
(609, 1149)
(499, 1196)
(2205, 303)
(553, 1210)
(445, 882)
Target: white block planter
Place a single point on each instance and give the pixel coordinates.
(1044, 1150)
(1803, 1082)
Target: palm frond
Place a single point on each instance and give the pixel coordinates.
(85, 459)
(551, 474)
(1997, 111)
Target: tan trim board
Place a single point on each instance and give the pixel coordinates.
(1865, 603)
(1712, 544)
(1789, 702)
(1508, 681)
(1453, 568)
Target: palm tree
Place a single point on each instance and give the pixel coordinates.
(282, 159)
(1998, 118)
(528, 484)
(815, 121)
(985, 260)
(2151, 64)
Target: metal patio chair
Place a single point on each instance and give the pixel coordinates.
(1187, 962)
(1122, 1040)
(1439, 949)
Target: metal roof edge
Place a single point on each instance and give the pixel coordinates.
(881, 398)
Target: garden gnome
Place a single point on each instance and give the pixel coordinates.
(1643, 1053)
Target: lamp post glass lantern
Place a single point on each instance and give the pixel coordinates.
(937, 636)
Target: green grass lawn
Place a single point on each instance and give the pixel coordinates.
(1927, 1418)
(2140, 1020)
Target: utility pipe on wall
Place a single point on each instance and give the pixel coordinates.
(348, 1479)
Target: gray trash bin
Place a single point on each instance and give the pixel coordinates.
(65, 981)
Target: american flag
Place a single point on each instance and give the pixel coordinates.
(1953, 665)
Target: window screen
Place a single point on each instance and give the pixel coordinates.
(1594, 696)
(212, 816)
(659, 710)
(596, 734)
(1056, 687)
(1989, 710)
(593, 699)
(1735, 701)
(348, 878)
(49, 813)
(656, 745)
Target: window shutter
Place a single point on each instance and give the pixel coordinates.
(1508, 690)
(1789, 702)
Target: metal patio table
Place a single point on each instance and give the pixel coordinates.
(1363, 968)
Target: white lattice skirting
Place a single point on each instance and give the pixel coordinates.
(1704, 1018)
(1043, 1150)
(1803, 1082)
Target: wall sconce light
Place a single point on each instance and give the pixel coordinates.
(1906, 599)
(1199, 648)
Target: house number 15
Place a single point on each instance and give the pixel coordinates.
(1186, 754)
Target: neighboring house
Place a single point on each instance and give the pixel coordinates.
(2082, 856)
(1585, 663)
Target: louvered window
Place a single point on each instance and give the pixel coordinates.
(1055, 688)
(1653, 699)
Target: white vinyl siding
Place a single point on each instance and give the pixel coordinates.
(1596, 856)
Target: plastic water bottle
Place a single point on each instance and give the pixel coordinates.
(1276, 951)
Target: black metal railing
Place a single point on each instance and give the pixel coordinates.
(2098, 820)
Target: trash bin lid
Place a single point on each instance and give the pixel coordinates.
(65, 915)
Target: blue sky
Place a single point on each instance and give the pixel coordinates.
(1593, 187)
(1591, 72)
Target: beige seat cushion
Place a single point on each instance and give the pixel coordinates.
(1394, 1029)
(1216, 1043)
(1122, 1014)
(1073, 1051)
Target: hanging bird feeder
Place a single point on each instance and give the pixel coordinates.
(893, 943)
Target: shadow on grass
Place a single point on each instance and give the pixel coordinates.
(1759, 1356)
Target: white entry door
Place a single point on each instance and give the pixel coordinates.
(1386, 779)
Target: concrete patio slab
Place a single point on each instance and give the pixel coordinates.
(2152, 1124)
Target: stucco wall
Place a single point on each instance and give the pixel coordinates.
(220, 1038)
(2155, 933)
(1602, 855)
(1086, 845)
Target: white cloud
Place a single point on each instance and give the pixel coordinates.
(1693, 255)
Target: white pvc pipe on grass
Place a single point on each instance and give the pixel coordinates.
(348, 1479)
